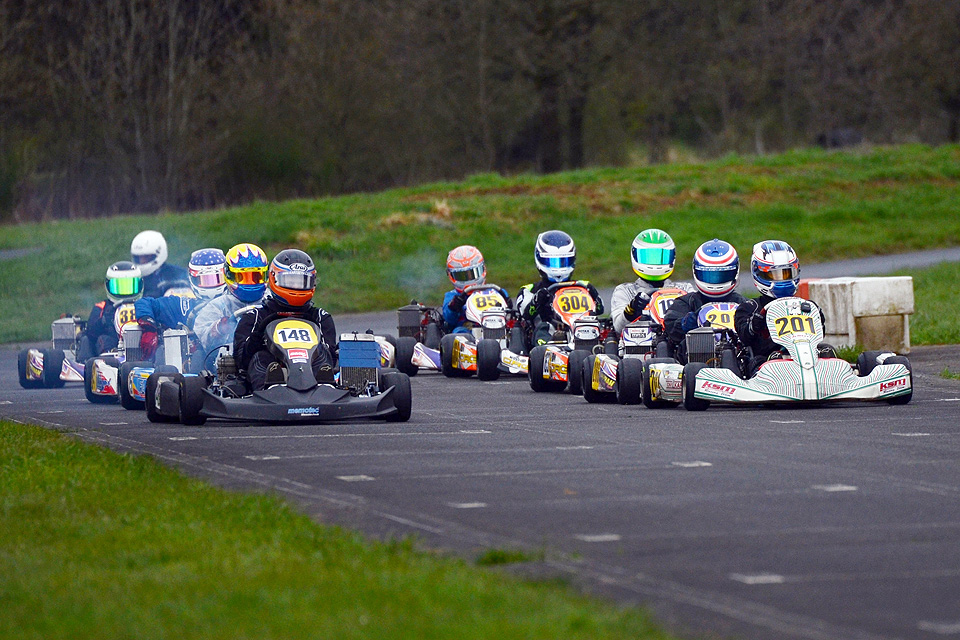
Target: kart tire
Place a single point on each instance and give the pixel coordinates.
(535, 373)
(127, 401)
(611, 347)
(663, 349)
(590, 394)
(574, 371)
(867, 362)
(646, 392)
(446, 358)
(488, 360)
(516, 343)
(88, 380)
(191, 399)
(728, 360)
(52, 365)
(22, 358)
(905, 398)
(404, 356)
(431, 336)
(391, 339)
(402, 395)
(629, 380)
(150, 398)
(691, 402)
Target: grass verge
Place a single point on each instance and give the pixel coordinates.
(96, 545)
(376, 251)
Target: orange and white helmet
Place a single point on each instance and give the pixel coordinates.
(465, 267)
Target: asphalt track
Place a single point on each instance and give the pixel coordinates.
(829, 523)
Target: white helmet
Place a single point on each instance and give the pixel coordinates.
(556, 255)
(148, 251)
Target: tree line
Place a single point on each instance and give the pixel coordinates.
(144, 105)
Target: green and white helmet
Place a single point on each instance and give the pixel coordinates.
(653, 255)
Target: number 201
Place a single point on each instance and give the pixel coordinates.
(794, 324)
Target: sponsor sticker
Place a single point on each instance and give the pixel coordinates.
(297, 355)
(304, 411)
(722, 389)
(893, 385)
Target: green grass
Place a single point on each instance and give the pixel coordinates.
(94, 544)
(936, 304)
(950, 375)
(493, 557)
(376, 251)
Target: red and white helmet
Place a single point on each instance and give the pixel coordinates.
(716, 268)
(465, 267)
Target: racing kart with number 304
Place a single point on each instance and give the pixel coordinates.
(554, 365)
(799, 373)
(363, 389)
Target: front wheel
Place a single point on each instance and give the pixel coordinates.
(905, 398)
(152, 398)
(404, 355)
(590, 394)
(866, 362)
(535, 372)
(402, 395)
(574, 369)
(646, 389)
(191, 399)
(90, 379)
(23, 360)
(690, 401)
(629, 378)
(488, 360)
(52, 365)
(127, 401)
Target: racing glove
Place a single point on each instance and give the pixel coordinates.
(149, 340)
(637, 305)
(541, 301)
(221, 329)
(457, 302)
(689, 321)
(757, 323)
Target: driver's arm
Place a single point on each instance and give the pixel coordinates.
(245, 340)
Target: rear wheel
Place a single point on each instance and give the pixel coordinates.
(404, 357)
(690, 401)
(402, 395)
(431, 337)
(516, 341)
(191, 399)
(905, 398)
(151, 398)
(535, 373)
(127, 401)
(447, 345)
(23, 359)
(488, 360)
(866, 362)
(89, 379)
(52, 365)
(629, 378)
(574, 369)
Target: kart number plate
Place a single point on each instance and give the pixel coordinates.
(791, 324)
(292, 334)
(718, 314)
(573, 300)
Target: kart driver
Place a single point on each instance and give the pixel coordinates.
(716, 271)
(653, 256)
(776, 274)
(149, 252)
(292, 279)
(555, 255)
(246, 278)
(207, 281)
(465, 268)
(124, 285)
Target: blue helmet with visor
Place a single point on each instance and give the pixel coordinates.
(556, 255)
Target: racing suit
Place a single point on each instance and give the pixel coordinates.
(100, 335)
(156, 314)
(167, 276)
(215, 323)
(682, 317)
(623, 313)
(536, 312)
(249, 340)
(454, 309)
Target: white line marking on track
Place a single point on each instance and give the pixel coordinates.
(411, 523)
(833, 488)
(757, 578)
(690, 465)
(57, 411)
(917, 434)
(943, 628)
(360, 478)
(267, 457)
(475, 431)
(947, 400)
(6, 402)
(467, 505)
(179, 438)
(788, 421)
(577, 448)
(597, 537)
(281, 436)
(112, 424)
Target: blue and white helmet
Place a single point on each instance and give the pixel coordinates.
(207, 272)
(776, 270)
(716, 268)
(556, 255)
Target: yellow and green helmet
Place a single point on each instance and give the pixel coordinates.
(653, 255)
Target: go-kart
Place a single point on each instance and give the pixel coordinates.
(658, 382)
(419, 329)
(553, 365)
(641, 340)
(362, 389)
(800, 371)
(53, 367)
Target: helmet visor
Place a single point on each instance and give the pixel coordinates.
(715, 275)
(142, 259)
(296, 280)
(557, 262)
(659, 257)
(210, 279)
(467, 275)
(124, 286)
(247, 276)
(778, 274)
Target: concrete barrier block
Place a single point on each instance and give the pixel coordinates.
(871, 312)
